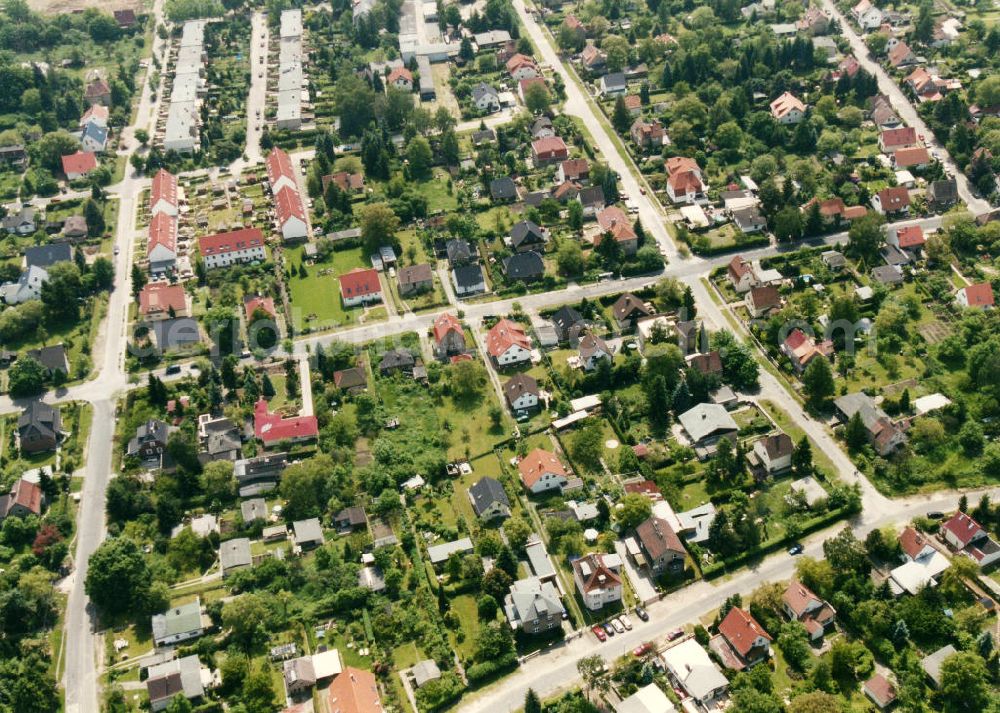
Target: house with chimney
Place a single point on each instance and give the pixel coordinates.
(449, 337)
(892, 201)
(521, 393)
(741, 642)
(542, 470)
(978, 295)
(657, 547)
(627, 309)
(965, 535)
(684, 180)
(883, 435)
(788, 109)
(507, 343)
(801, 349)
(773, 453)
(24, 498)
(802, 605)
(598, 579)
(533, 606)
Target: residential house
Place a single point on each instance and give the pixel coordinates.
(15, 155)
(892, 201)
(181, 623)
(20, 222)
(218, 439)
(742, 642)
(941, 194)
(360, 287)
(259, 474)
(909, 239)
(460, 252)
(397, 360)
(598, 579)
(307, 534)
(75, 227)
(916, 157)
(415, 279)
(889, 140)
(968, 536)
(354, 691)
(931, 664)
(290, 214)
(533, 606)
(787, 109)
(542, 470)
(126, 19)
(79, 164)
(574, 169)
(27, 287)
(705, 424)
(299, 675)
(593, 59)
(161, 300)
(880, 691)
(697, 674)
(593, 350)
(802, 605)
(253, 510)
(690, 337)
(568, 323)
(613, 222)
(94, 138)
(760, 301)
(566, 191)
(507, 343)
(400, 78)
(978, 295)
(149, 444)
(612, 85)
(524, 267)
(684, 181)
(271, 428)
(883, 434)
(749, 220)
(449, 337)
(468, 280)
(902, 56)
(39, 428)
(346, 182)
(549, 149)
(660, 549)
(592, 200)
(351, 518)
(633, 102)
(439, 554)
(542, 128)
(887, 275)
(503, 190)
(180, 677)
(485, 98)
(526, 235)
(232, 248)
(234, 555)
(489, 499)
(813, 22)
(161, 247)
(25, 498)
(627, 309)
(522, 67)
(774, 452)
(881, 113)
(98, 91)
(648, 134)
(801, 348)
(741, 275)
(709, 364)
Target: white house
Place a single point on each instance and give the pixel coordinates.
(598, 579)
(232, 248)
(485, 97)
(163, 193)
(508, 343)
(27, 287)
(179, 624)
(867, 15)
(521, 392)
(787, 109)
(541, 470)
(774, 452)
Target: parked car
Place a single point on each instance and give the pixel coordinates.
(619, 627)
(935, 515)
(642, 649)
(608, 628)
(599, 632)
(641, 613)
(675, 634)
(173, 369)
(626, 622)
(795, 549)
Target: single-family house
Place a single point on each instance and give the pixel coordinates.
(507, 343)
(660, 549)
(593, 350)
(485, 98)
(449, 337)
(271, 428)
(742, 642)
(801, 349)
(977, 295)
(774, 452)
(359, 287)
(468, 279)
(79, 164)
(415, 279)
(892, 201)
(598, 579)
(684, 181)
(627, 309)
(813, 612)
(542, 470)
(549, 149)
(24, 498)
(705, 424)
(760, 301)
(884, 435)
(889, 140)
(180, 623)
(788, 109)
(612, 85)
(533, 606)
(162, 300)
(489, 499)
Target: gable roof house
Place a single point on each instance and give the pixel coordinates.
(648, 134)
(705, 424)
(272, 428)
(507, 343)
(593, 350)
(503, 190)
(573, 169)
(527, 235)
(695, 671)
(911, 239)
(533, 606)
(883, 434)
(181, 623)
(902, 56)
(79, 164)
(741, 642)
(98, 92)
(468, 279)
(887, 274)
(941, 194)
(774, 452)
(485, 97)
(20, 222)
(787, 109)
(628, 308)
(659, 547)
(613, 222)
(53, 358)
(414, 279)
(913, 157)
(549, 149)
(979, 295)
(163, 194)
(149, 444)
(880, 691)
(354, 691)
(568, 323)
(521, 392)
(524, 267)
(234, 555)
(94, 138)
(522, 67)
(801, 348)
(612, 85)
(802, 605)
(542, 470)
(761, 300)
(161, 248)
(185, 677)
(449, 337)
(741, 275)
(890, 201)
(161, 300)
(542, 127)
(598, 579)
(25, 498)
(489, 499)
(395, 360)
(27, 287)
(684, 181)
(38, 428)
(592, 58)
(899, 138)
(359, 287)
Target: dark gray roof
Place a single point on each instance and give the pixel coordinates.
(614, 81)
(519, 384)
(52, 358)
(542, 122)
(353, 516)
(479, 137)
(566, 318)
(591, 195)
(887, 274)
(45, 255)
(943, 191)
(485, 492)
(396, 359)
(524, 266)
(174, 333)
(41, 417)
(526, 232)
(503, 188)
(483, 89)
(459, 251)
(469, 275)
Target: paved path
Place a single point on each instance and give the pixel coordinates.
(904, 108)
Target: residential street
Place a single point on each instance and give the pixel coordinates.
(904, 108)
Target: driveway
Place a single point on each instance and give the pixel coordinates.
(645, 589)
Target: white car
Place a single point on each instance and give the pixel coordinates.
(618, 626)
(626, 622)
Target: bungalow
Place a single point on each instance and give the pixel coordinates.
(684, 182)
(705, 424)
(802, 605)
(79, 164)
(307, 534)
(351, 518)
(801, 349)
(593, 350)
(489, 499)
(94, 138)
(179, 677)
(507, 343)
(787, 109)
(741, 642)
(397, 360)
(612, 85)
(598, 579)
(979, 295)
(52, 358)
(697, 674)
(449, 337)
(574, 169)
(592, 200)
(648, 134)
(741, 275)
(360, 287)
(880, 691)
(439, 554)
(749, 220)
(633, 102)
(899, 138)
(892, 201)
(542, 470)
(182, 623)
(75, 227)
(414, 279)
(255, 303)
(271, 428)
(549, 150)
(774, 452)
(627, 309)
(910, 239)
(659, 548)
(565, 191)
(234, 555)
(761, 300)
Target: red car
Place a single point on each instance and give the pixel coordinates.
(642, 649)
(599, 632)
(675, 634)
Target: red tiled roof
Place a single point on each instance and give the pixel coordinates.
(234, 240)
(785, 104)
(162, 231)
(881, 689)
(288, 205)
(519, 60)
(598, 576)
(252, 304)
(963, 527)
(911, 236)
(741, 630)
(903, 136)
(164, 188)
(611, 216)
(400, 73)
(797, 596)
(360, 282)
(914, 156)
(279, 164)
(96, 111)
(345, 181)
(79, 162)
(548, 145)
(912, 542)
(645, 487)
(894, 199)
(738, 267)
(160, 297)
(537, 463)
(505, 334)
(354, 691)
(444, 324)
(854, 212)
(28, 495)
(980, 295)
(271, 427)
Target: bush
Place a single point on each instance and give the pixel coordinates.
(440, 693)
(488, 670)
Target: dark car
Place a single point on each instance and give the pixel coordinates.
(675, 634)
(608, 629)
(173, 369)
(935, 515)
(795, 549)
(642, 613)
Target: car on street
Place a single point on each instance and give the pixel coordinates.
(642, 613)
(935, 515)
(619, 627)
(642, 649)
(173, 369)
(608, 629)
(795, 549)
(117, 249)
(599, 632)
(626, 622)
(675, 634)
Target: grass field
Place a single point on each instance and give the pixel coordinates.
(315, 298)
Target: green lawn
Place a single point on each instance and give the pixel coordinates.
(315, 298)
(465, 609)
(436, 192)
